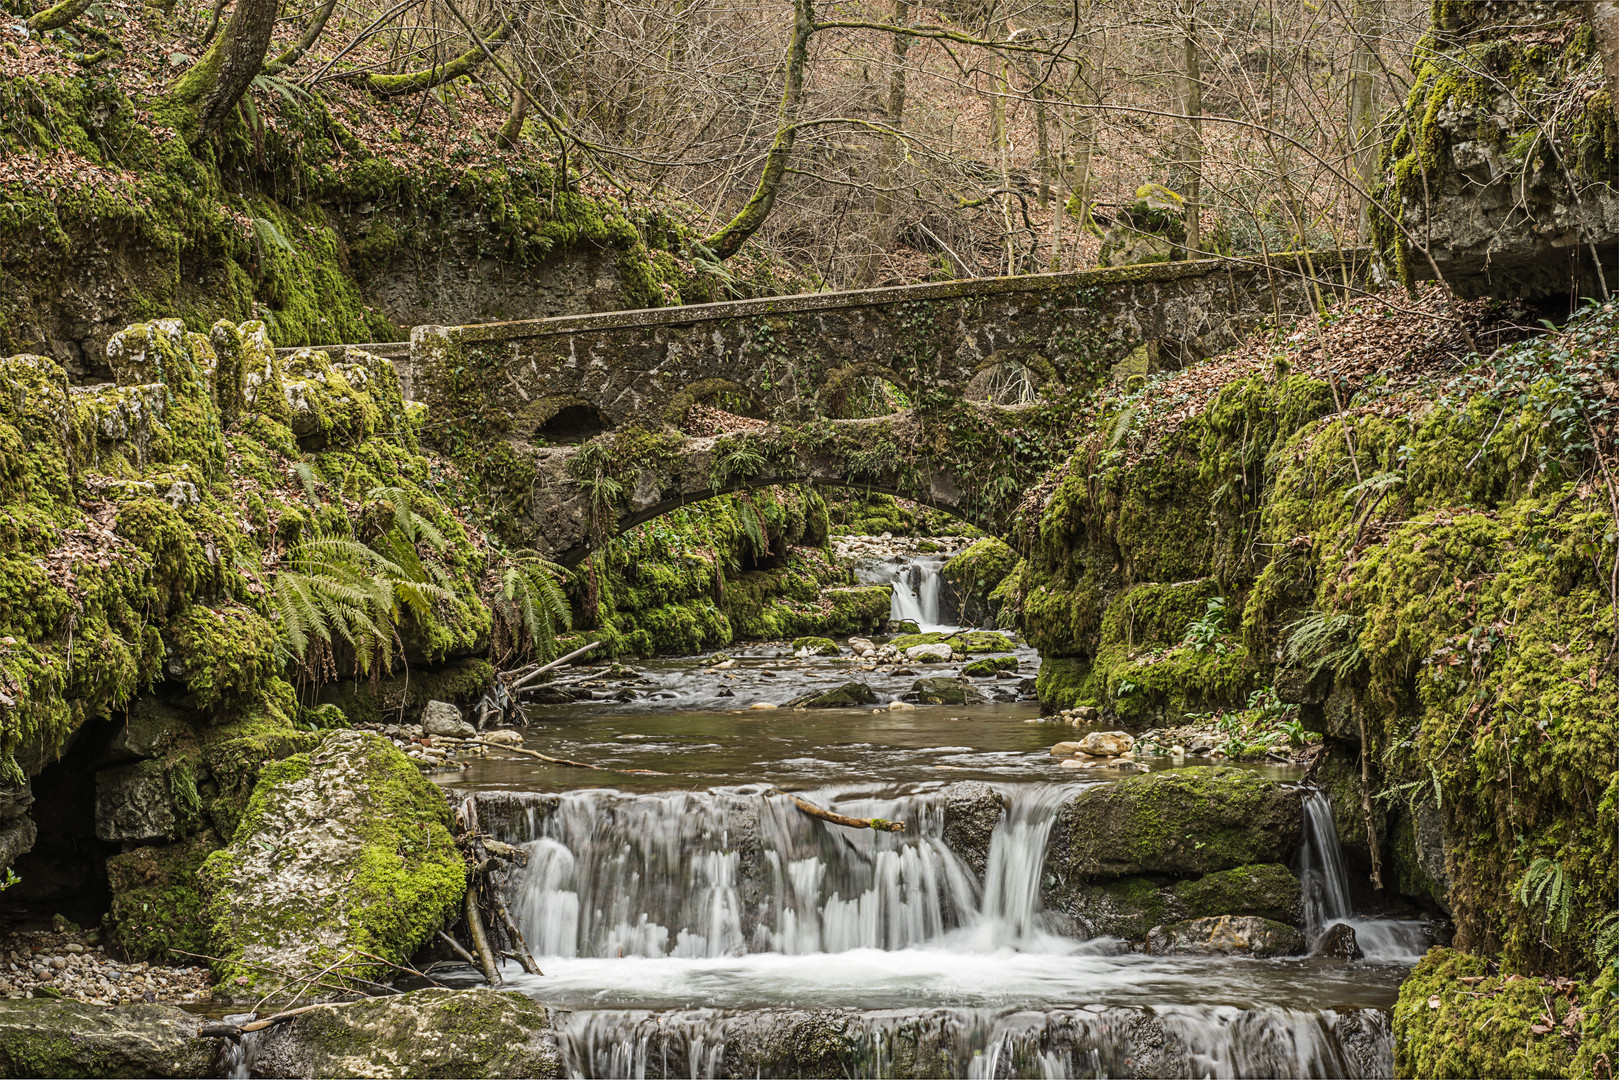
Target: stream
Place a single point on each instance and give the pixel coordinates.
(695, 924)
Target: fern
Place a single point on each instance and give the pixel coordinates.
(306, 475)
(1320, 641)
(338, 589)
(530, 607)
(1545, 883)
(1605, 940)
(734, 459)
(752, 524)
(411, 525)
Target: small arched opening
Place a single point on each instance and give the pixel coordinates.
(572, 424)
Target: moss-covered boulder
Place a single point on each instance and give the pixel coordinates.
(73, 1038)
(847, 696)
(945, 691)
(1269, 891)
(972, 809)
(979, 641)
(976, 573)
(1178, 821)
(815, 646)
(428, 1033)
(990, 666)
(343, 848)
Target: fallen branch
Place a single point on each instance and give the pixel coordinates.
(460, 949)
(562, 761)
(235, 1031)
(877, 823)
(529, 678)
(480, 939)
(523, 956)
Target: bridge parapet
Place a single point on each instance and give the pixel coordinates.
(787, 357)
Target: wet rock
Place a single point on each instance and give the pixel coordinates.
(150, 729)
(861, 646)
(1339, 943)
(1268, 890)
(971, 812)
(442, 718)
(552, 695)
(904, 626)
(1295, 685)
(764, 705)
(506, 736)
(989, 666)
(901, 706)
(16, 837)
(815, 646)
(74, 1038)
(1183, 822)
(468, 1033)
(980, 641)
(946, 691)
(134, 804)
(929, 654)
(846, 696)
(1106, 744)
(344, 847)
(1226, 935)
(1065, 749)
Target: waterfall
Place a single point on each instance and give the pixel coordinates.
(916, 589)
(699, 874)
(1325, 881)
(1323, 875)
(1017, 855)
(1098, 1042)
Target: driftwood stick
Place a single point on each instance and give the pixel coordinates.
(505, 852)
(232, 1031)
(533, 676)
(459, 948)
(523, 957)
(480, 939)
(561, 761)
(877, 823)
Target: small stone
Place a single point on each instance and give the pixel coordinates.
(901, 706)
(1065, 749)
(1106, 743)
(929, 654)
(762, 705)
(1340, 943)
(442, 718)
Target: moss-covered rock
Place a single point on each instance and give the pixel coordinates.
(847, 696)
(815, 646)
(74, 1039)
(345, 847)
(976, 573)
(945, 691)
(156, 900)
(1268, 890)
(1226, 935)
(1459, 1016)
(990, 665)
(425, 1033)
(1177, 821)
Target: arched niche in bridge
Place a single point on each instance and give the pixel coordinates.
(1009, 378)
(864, 389)
(565, 421)
(726, 395)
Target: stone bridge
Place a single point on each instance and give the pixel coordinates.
(956, 395)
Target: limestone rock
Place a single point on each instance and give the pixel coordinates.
(971, 812)
(815, 646)
(1106, 743)
(1184, 822)
(442, 718)
(1226, 935)
(150, 728)
(16, 837)
(467, 1033)
(1065, 749)
(945, 691)
(134, 804)
(74, 1038)
(939, 653)
(846, 696)
(1339, 943)
(1268, 890)
(343, 847)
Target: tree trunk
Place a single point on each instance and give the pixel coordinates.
(1604, 16)
(57, 16)
(412, 82)
(1193, 144)
(1361, 143)
(301, 46)
(211, 88)
(512, 129)
(896, 117)
(729, 240)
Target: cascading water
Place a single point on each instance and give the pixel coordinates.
(917, 589)
(1325, 880)
(723, 933)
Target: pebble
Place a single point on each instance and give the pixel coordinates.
(762, 705)
(69, 964)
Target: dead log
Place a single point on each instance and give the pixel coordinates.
(523, 956)
(480, 938)
(877, 823)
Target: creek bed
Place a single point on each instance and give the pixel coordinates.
(694, 924)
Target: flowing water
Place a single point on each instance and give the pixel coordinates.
(918, 589)
(696, 924)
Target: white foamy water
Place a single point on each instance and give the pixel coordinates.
(917, 588)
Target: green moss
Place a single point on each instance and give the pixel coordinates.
(990, 665)
(384, 889)
(817, 646)
(1268, 890)
(156, 904)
